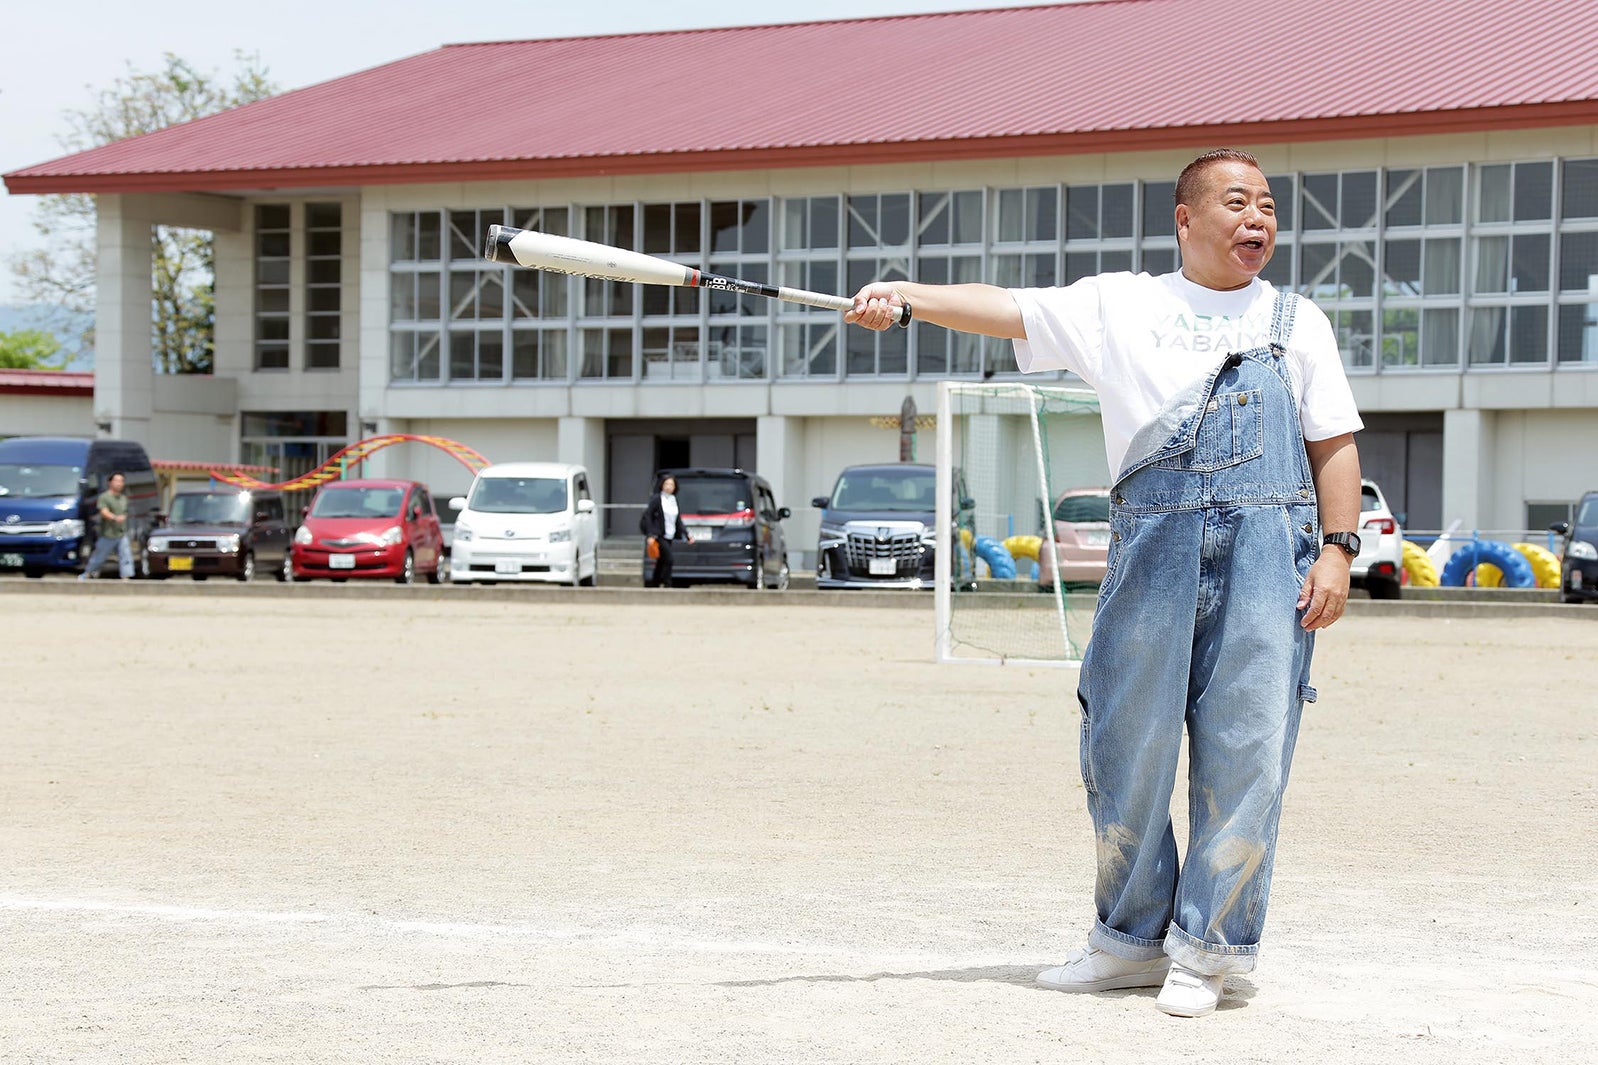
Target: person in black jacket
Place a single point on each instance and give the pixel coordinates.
(662, 522)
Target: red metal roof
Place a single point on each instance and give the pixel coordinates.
(1114, 75)
(45, 383)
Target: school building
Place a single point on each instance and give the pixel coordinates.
(1436, 168)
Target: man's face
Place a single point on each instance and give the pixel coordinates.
(116, 483)
(1228, 234)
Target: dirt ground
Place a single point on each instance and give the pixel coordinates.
(432, 829)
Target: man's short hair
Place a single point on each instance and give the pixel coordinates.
(1191, 183)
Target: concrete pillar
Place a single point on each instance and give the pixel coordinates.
(124, 373)
(780, 458)
(1467, 465)
(582, 441)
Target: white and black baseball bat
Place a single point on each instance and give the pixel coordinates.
(567, 255)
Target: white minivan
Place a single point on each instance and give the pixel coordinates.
(526, 521)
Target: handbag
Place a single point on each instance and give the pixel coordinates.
(652, 547)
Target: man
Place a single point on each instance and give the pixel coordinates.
(1230, 421)
(111, 511)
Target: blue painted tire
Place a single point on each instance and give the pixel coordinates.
(1517, 571)
(1001, 564)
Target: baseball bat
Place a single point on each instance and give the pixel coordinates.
(567, 255)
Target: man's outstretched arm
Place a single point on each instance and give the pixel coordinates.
(985, 309)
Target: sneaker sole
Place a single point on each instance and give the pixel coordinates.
(1154, 978)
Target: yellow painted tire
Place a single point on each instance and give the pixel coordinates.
(1024, 546)
(1489, 575)
(1544, 564)
(966, 538)
(1419, 565)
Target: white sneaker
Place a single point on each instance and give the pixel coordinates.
(1188, 993)
(1094, 970)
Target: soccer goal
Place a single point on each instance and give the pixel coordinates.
(1005, 452)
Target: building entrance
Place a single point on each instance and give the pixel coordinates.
(636, 448)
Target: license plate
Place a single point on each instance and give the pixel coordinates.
(702, 532)
(180, 565)
(882, 567)
(340, 561)
(10, 560)
(1095, 537)
(508, 567)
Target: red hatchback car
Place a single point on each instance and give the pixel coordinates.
(370, 528)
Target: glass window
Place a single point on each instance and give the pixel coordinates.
(273, 244)
(1439, 337)
(879, 221)
(1445, 195)
(1282, 191)
(323, 290)
(1356, 338)
(1405, 198)
(538, 354)
(1528, 334)
(1578, 333)
(1578, 262)
(1029, 214)
(1098, 212)
(1534, 191)
(1493, 185)
(810, 349)
(1400, 337)
(1579, 189)
(607, 353)
(1159, 209)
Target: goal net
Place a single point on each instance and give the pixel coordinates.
(1005, 453)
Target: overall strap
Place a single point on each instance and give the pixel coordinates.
(1282, 312)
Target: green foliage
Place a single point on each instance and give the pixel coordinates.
(30, 349)
(183, 283)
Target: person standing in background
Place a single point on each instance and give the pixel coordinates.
(662, 523)
(111, 510)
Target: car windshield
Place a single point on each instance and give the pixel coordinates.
(712, 495)
(1588, 514)
(519, 495)
(1083, 508)
(906, 490)
(358, 503)
(38, 482)
(1369, 500)
(208, 508)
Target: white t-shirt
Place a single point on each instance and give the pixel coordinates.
(668, 507)
(1141, 340)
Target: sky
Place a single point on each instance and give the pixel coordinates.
(304, 43)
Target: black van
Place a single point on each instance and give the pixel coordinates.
(736, 527)
(1578, 573)
(48, 489)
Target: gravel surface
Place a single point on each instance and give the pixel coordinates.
(300, 829)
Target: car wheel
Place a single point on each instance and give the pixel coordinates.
(782, 578)
(757, 582)
(247, 570)
(408, 570)
(593, 577)
(285, 572)
(1384, 589)
(436, 574)
(32, 572)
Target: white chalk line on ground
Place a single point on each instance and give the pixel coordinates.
(372, 924)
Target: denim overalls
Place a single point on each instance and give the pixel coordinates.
(1213, 532)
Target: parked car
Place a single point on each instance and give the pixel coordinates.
(228, 532)
(1081, 539)
(369, 528)
(736, 526)
(1578, 573)
(526, 521)
(878, 528)
(1379, 566)
(48, 489)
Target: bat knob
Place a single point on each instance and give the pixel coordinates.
(496, 248)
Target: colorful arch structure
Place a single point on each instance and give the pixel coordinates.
(336, 467)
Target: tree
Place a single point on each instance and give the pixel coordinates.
(183, 284)
(29, 349)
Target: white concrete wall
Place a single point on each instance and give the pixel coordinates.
(46, 415)
(496, 440)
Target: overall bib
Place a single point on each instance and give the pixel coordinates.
(1213, 530)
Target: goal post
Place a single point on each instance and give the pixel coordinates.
(1004, 454)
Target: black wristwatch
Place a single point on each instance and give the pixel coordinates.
(1347, 541)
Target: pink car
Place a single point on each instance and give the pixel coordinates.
(1081, 538)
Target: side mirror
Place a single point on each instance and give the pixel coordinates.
(783, 512)
(457, 503)
(585, 506)
(1560, 527)
(821, 502)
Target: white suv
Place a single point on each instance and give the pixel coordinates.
(1380, 565)
(526, 521)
